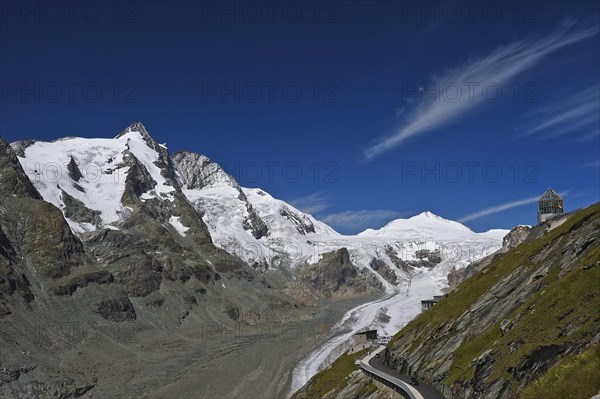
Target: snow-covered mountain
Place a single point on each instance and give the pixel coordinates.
(430, 226)
(92, 175)
(262, 230)
(97, 183)
(290, 238)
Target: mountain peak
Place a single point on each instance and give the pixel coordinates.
(140, 129)
(425, 224)
(426, 217)
(429, 215)
(135, 127)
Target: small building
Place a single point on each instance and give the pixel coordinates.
(364, 337)
(428, 303)
(550, 205)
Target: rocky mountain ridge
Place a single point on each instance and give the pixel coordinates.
(118, 235)
(77, 293)
(98, 183)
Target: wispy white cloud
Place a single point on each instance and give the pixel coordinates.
(319, 201)
(577, 113)
(503, 207)
(360, 219)
(499, 67)
(593, 164)
(313, 203)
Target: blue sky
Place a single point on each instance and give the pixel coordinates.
(358, 112)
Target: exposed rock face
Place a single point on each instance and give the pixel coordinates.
(431, 256)
(11, 281)
(12, 177)
(516, 236)
(74, 172)
(335, 276)
(34, 230)
(384, 271)
(19, 146)
(197, 172)
(117, 309)
(303, 225)
(72, 284)
(515, 318)
(77, 211)
(138, 180)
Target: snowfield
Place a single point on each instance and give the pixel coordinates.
(98, 160)
(288, 243)
(103, 171)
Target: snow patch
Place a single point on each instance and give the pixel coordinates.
(177, 225)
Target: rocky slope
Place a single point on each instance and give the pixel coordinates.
(91, 291)
(529, 310)
(117, 259)
(515, 236)
(334, 276)
(344, 380)
(525, 324)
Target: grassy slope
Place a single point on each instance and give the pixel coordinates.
(569, 379)
(333, 379)
(565, 311)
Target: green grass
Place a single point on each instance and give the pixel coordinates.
(458, 301)
(470, 350)
(334, 377)
(564, 312)
(367, 389)
(575, 377)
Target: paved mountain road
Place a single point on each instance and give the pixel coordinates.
(375, 365)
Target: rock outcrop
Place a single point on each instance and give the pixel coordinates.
(514, 238)
(334, 276)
